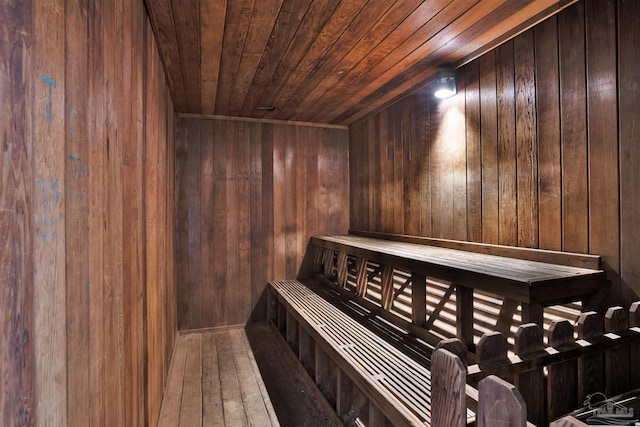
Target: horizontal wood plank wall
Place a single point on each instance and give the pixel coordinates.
(537, 149)
(87, 278)
(249, 195)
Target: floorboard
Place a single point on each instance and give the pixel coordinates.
(235, 378)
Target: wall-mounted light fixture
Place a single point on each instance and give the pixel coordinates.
(445, 84)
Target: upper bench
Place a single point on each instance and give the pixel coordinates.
(533, 278)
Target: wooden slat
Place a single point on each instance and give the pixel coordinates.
(488, 135)
(17, 368)
(629, 95)
(548, 112)
(191, 402)
(526, 149)
(507, 156)
(212, 406)
(49, 307)
(562, 382)
(617, 366)
(96, 219)
(172, 398)
(194, 240)
(220, 226)
(591, 377)
(573, 132)
(528, 344)
(231, 395)
(77, 211)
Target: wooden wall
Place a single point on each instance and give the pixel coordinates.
(539, 148)
(87, 288)
(249, 196)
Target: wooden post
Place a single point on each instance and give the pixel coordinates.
(464, 314)
(327, 261)
(500, 404)
(455, 346)
(292, 333)
(492, 351)
(282, 319)
(591, 367)
(562, 385)
(351, 404)
(362, 281)
(342, 269)
(326, 376)
(418, 299)
(318, 260)
(533, 313)
(505, 317)
(376, 417)
(448, 390)
(617, 360)
(272, 308)
(634, 352)
(387, 287)
(306, 352)
(528, 344)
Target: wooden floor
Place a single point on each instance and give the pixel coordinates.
(215, 379)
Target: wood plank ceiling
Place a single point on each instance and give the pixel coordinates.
(323, 61)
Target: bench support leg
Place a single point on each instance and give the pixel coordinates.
(418, 299)
(533, 313)
(464, 315)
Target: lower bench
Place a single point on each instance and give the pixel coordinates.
(365, 378)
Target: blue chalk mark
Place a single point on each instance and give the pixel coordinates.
(73, 112)
(74, 157)
(48, 111)
(48, 80)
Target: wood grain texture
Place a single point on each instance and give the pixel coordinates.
(78, 114)
(17, 356)
(448, 382)
(328, 62)
(573, 130)
(262, 190)
(542, 126)
(628, 132)
(501, 404)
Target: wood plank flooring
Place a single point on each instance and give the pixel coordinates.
(217, 378)
(214, 381)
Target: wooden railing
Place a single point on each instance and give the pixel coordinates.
(604, 358)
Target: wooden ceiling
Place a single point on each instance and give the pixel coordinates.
(322, 61)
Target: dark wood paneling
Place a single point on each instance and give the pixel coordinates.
(573, 129)
(545, 145)
(86, 215)
(330, 61)
(629, 135)
(263, 189)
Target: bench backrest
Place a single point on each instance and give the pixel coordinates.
(593, 262)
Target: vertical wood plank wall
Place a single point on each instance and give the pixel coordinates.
(539, 147)
(249, 196)
(87, 278)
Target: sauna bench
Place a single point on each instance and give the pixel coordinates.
(362, 375)
(533, 284)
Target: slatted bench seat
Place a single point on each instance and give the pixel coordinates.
(367, 379)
